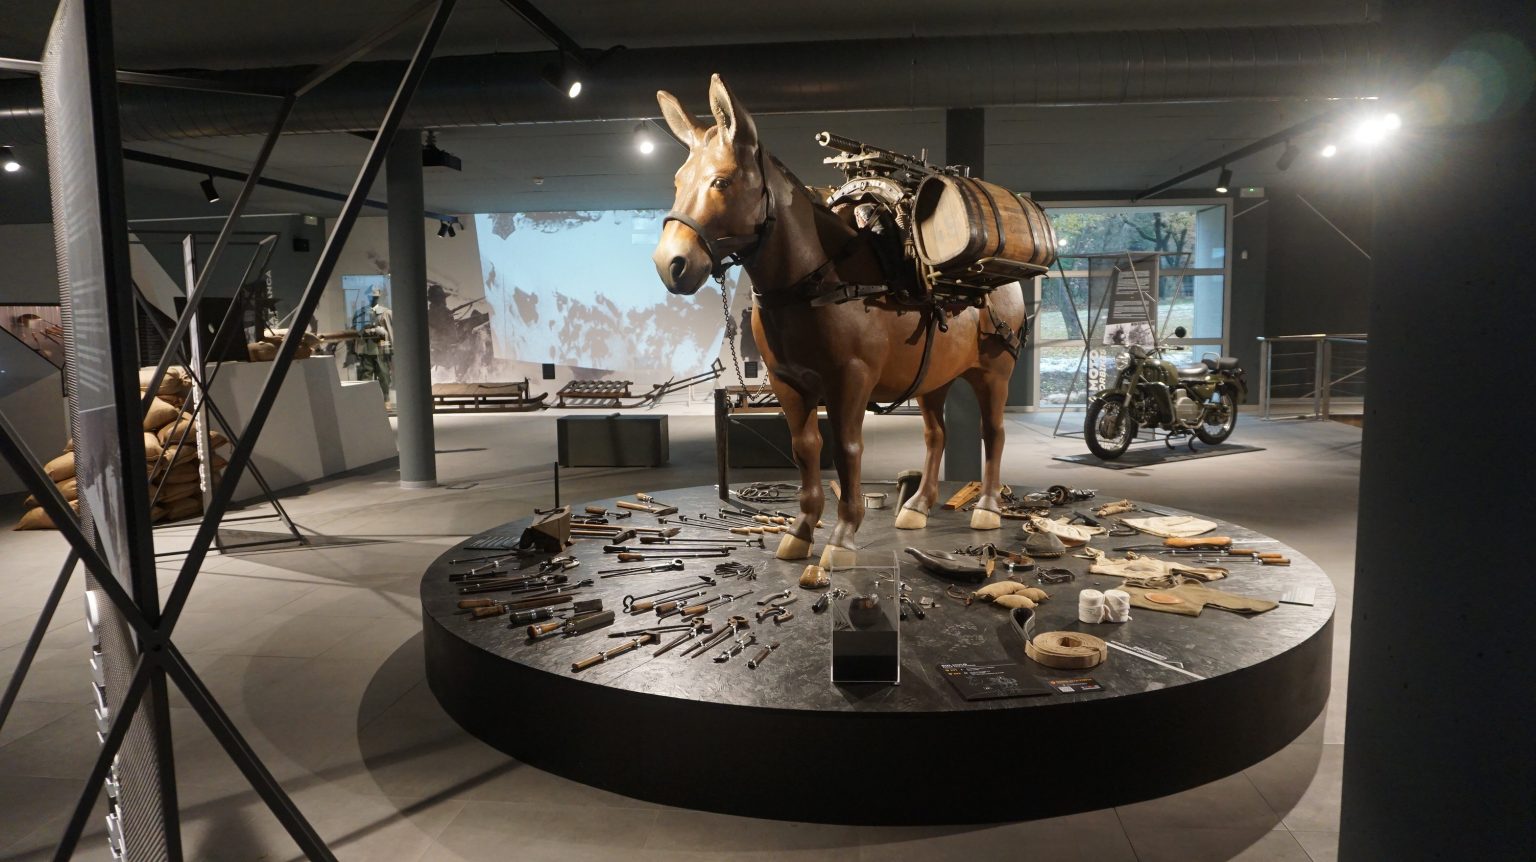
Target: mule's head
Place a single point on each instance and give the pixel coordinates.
(720, 198)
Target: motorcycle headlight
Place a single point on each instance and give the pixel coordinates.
(1122, 360)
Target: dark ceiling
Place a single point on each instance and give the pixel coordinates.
(594, 164)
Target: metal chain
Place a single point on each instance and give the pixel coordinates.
(730, 332)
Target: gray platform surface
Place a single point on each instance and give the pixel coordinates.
(797, 676)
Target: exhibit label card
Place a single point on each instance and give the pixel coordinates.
(990, 681)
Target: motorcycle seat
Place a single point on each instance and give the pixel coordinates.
(1193, 372)
(1221, 363)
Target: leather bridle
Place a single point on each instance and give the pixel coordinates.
(733, 249)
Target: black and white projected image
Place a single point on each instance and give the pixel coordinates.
(579, 288)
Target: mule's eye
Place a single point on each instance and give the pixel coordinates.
(719, 183)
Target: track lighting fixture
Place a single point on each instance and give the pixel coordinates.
(433, 156)
(210, 191)
(445, 228)
(442, 229)
(563, 77)
(8, 160)
(1225, 182)
(1288, 156)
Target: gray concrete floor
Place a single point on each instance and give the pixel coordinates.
(316, 654)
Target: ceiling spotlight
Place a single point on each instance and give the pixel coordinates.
(645, 142)
(451, 232)
(1225, 182)
(210, 191)
(442, 229)
(1372, 130)
(1328, 151)
(563, 78)
(1288, 156)
(8, 160)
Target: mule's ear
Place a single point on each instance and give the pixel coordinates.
(684, 125)
(735, 123)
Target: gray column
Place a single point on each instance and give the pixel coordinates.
(1439, 760)
(408, 289)
(965, 132)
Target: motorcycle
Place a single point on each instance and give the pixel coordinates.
(1199, 401)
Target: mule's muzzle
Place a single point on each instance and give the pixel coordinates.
(681, 263)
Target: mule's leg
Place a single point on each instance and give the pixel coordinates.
(914, 513)
(991, 387)
(805, 440)
(845, 411)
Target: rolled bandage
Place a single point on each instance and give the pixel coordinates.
(1090, 606)
(1117, 606)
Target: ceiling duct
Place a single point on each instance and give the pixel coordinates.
(1314, 62)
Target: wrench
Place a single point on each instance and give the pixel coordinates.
(675, 565)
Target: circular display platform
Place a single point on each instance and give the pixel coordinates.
(782, 741)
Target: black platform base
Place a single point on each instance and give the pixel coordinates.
(783, 741)
(1152, 455)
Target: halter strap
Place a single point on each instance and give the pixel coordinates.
(733, 249)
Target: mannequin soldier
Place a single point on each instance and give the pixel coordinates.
(373, 348)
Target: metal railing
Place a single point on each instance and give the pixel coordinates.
(1327, 374)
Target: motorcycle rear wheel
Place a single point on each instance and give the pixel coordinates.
(1107, 416)
(1226, 397)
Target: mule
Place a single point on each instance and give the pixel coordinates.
(737, 204)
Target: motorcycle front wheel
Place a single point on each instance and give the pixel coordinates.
(1107, 428)
(1220, 416)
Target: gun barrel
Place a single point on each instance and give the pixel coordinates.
(838, 142)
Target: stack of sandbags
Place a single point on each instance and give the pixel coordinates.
(171, 461)
(265, 349)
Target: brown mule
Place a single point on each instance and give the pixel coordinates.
(734, 202)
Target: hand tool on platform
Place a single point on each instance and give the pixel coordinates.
(768, 600)
(613, 529)
(700, 540)
(687, 554)
(737, 569)
(528, 597)
(674, 627)
(751, 526)
(601, 512)
(706, 525)
(532, 587)
(736, 647)
(769, 520)
(677, 641)
(674, 565)
(515, 585)
(778, 613)
(481, 608)
(917, 609)
(648, 505)
(825, 601)
(690, 551)
(615, 652)
(572, 626)
(762, 655)
(677, 605)
(718, 601)
(732, 626)
(631, 601)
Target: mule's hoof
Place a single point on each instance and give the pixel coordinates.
(835, 557)
(792, 547)
(911, 519)
(985, 519)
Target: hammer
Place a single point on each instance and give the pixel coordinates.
(651, 507)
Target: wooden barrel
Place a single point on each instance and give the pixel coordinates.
(961, 220)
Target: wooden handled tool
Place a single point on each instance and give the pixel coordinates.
(647, 508)
(967, 495)
(756, 660)
(648, 638)
(1199, 542)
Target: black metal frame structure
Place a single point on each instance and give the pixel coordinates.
(150, 626)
